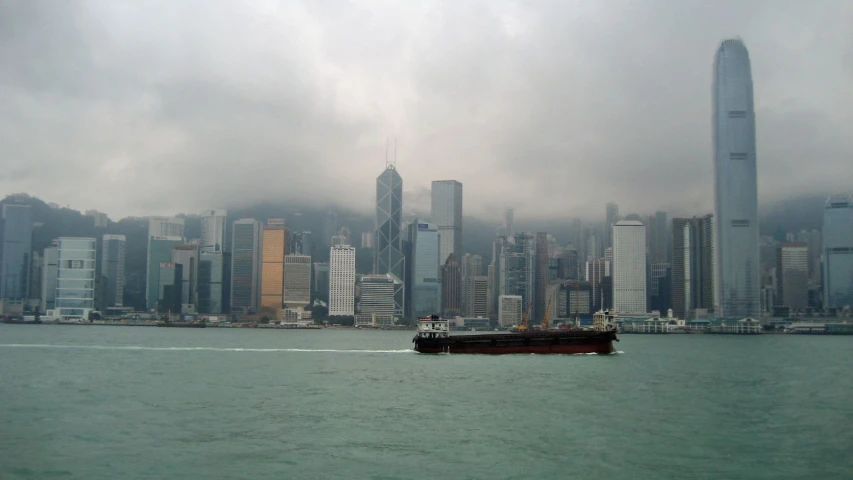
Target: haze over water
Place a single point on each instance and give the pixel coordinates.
(138, 403)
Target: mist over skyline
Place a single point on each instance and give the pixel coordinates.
(554, 108)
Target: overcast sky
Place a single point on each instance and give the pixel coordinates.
(553, 107)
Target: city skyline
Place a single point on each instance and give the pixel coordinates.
(488, 126)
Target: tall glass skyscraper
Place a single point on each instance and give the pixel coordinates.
(246, 265)
(736, 189)
(16, 251)
(838, 252)
(423, 285)
(447, 216)
(388, 256)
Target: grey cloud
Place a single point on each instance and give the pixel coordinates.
(552, 107)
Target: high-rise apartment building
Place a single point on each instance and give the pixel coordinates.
(629, 267)
(112, 269)
(736, 192)
(447, 216)
(342, 281)
(792, 275)
(273, 251)
(451, 277)
(693, 280)
(15, 255)
(838, 252)
(75, 277)
(297, 280)
(213, 231)
(246, 265)
(388, 254)
(423, 285)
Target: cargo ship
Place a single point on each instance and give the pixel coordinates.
(200, 324)
(434, 337)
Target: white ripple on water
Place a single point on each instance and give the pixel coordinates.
(188, 349)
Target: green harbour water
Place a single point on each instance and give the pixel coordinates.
(94, 402)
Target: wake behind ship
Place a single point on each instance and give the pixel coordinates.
(434, 337)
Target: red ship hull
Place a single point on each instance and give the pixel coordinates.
(550, 342)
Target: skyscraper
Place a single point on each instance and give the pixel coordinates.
(297, 280)
(16, 252)
(112, 270)
(735, 186)
(658, 242)
(629, 267)
(692, 265)
(212, 287)
(342, 280)
(517, 269)
(159, 252)
(273, 250)
(163, 233)
(447, 216)
(451, 277)
(246, 265)
(213, 230)
(838, 252)
(50, 264)
(477, 292)
(423, 286)
(388, 254)
(187, 256)
(611, 216)
(542, 278)
(75, 277)
(792, 275)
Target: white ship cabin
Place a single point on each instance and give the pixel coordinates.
(433, 327)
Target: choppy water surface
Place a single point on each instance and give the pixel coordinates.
(136, 403)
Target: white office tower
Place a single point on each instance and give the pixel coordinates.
(629, 267)
(342, 280)
(213, 231)
(509, 310)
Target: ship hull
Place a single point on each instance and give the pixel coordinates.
(575, 342)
